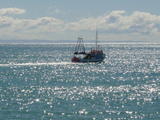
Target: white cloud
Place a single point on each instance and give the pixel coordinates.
(10, 11)
(118, 21)
(18, 28)
(116, 24)
(43, 24)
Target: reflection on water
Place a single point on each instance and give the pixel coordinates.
(40, 82)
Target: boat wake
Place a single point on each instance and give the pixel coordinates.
(35, 64)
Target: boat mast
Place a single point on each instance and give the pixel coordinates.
(96, 39)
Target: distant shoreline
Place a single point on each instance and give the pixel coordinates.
(72, 42)
(69, 43)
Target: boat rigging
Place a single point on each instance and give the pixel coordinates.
(80, 55)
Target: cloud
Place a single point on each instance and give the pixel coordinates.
(119, 21)
(5, 21)
(11, 11)
(116, 22)
(39, 28)
(43, 24)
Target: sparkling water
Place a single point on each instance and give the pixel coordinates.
(39, 82)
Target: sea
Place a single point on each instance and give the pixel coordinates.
(39, 82)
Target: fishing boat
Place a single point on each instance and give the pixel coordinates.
(94, 55)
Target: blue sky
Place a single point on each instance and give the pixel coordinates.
(76, 17)
(80, 8)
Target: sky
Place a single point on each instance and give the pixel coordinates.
(115, 20)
